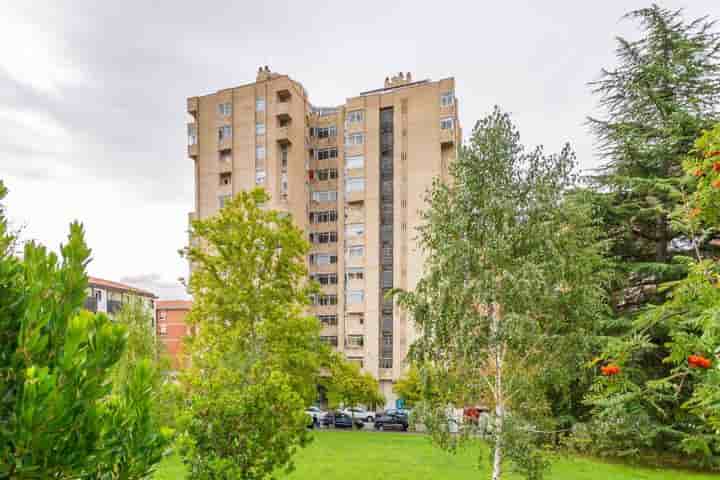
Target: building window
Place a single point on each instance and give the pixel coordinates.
(447, 99)
(163, 330)
(260, 104)
(354, 229)
(259, 176)
(225, 109)
(446, 123)
(284, 185)
(259, 129)
(354, 139)
(325, 278)
(326, 132)
(327, 153)
(259, 152)
(325, 300)
(328, 320)
(332, 340)
(355, 341)
(354, 297)
(354, 184)
(386, 363)
(323, 258)
(324, 196)
(224, 133)
(323, 217)
(355, 251)
(354, 273)
(225, 178)
(192, 134)
(323, 237)
(223, 199)
(325, 174)
(387, 278)
(283, 158)
(354, 161)
(354, 116)
(161, 314)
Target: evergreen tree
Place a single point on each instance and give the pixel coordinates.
(662, 95)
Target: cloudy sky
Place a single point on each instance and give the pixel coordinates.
(92, 93)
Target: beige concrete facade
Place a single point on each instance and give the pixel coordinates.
(333, 169)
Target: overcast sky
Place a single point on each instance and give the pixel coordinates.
(92, 94)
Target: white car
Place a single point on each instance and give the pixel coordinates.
(361, 413)
(316, 413)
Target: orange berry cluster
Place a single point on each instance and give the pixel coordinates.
(610, 370)
(699, 361)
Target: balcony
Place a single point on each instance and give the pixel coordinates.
(282, 111)
(355, 307)
(386, 374)
(447, 136)
(329, 331)
(354, 197)
(113, 306)
(283, 135)
(193, 150)
(91, 304)
(224, 144)
(192, 105)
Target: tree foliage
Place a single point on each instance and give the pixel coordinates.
(58, 415)
(662, 95)
(676, 408)
(512, 286)
(256, 356)
(408, 386)
(347, 386)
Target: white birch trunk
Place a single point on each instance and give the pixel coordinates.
(498, 353)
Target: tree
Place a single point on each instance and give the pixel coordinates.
(512, 284)
(347, 386)
(674, 410)
(59, 416)
(255, 359)
(408, 386)
(663, 94)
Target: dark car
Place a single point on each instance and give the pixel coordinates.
(396, 419)
(342, 420)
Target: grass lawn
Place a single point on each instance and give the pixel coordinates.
(347, 455)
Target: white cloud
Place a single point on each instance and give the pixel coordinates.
(34, 56)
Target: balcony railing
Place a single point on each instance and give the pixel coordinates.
(447, 136)
(283, 135)
(282, 110)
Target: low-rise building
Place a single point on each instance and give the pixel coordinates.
(108, 297)
(171, 328)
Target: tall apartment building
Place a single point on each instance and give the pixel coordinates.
(352, 176)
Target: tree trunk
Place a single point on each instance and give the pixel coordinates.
(498, 353)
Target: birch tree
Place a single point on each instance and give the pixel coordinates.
(511, 290)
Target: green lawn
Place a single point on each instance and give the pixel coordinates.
(393, 456)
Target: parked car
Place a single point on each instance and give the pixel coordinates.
(343, 420)
(396, 419)
(361, 413)
(328, 420)
(316, 413)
